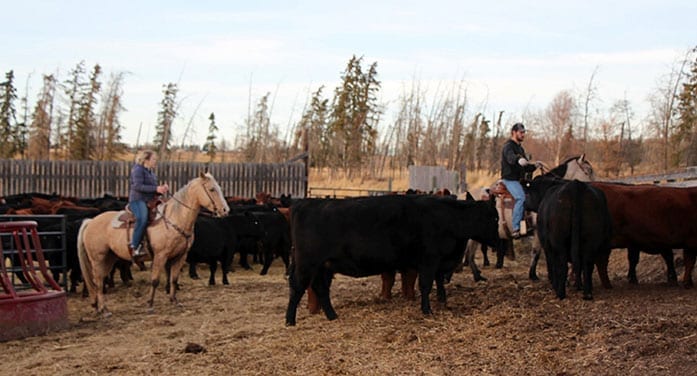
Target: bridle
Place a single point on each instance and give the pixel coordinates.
(582, 166)
(180, 202)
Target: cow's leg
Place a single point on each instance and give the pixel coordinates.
(667, 255)
(297, 287)
(588, 279)
(125, 273)
(535, 257)
(601, 263)
(408, 283)
(501, 252)
(75, 279)
(689, 255)
(244, 263)
(426, 277)
(469, 260)
(192, 270)
(212, 266)
(225, 262)
(440, 288)
(321, 284)
(485, 252)
(633, 258)
(312, 302)
(561, 271)
(387, 283)
(267, 251)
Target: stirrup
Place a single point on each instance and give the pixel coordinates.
(138, 251)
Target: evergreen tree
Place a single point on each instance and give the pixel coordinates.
(8, 95)
(354, 115)
(40, 128)
(73, 89)
(83, 144)
(210, 147)
(686, 128)
(165, 119)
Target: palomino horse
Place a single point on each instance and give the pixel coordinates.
(572, 168)
(100, 244)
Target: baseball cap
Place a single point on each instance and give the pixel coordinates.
(518, 127)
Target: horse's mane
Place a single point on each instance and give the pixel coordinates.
(563, 167)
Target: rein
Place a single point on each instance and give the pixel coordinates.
(174, 225)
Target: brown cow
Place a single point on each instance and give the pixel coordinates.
(653, 218)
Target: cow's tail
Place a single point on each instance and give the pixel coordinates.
(83, 257)
(577, 198)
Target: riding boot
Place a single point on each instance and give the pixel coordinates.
(138, 251)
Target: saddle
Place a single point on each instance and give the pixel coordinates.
(126, 219)
(504, 206)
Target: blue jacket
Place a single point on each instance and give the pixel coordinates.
(143, 184)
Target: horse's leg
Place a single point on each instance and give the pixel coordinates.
(101, 268)
(177, 265)
(158, 265)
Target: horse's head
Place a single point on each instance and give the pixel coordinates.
(581, 170)
(210, 195)
(574, 168)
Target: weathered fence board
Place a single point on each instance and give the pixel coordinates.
(432, 178)
(686, 177)
(95, 178)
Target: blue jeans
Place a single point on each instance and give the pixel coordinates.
(518, 194)
(140, 210)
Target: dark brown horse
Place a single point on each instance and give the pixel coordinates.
(100, 244)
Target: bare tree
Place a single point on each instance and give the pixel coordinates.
(590, 96)
(662, 117)
(109, 127)
(559, 124)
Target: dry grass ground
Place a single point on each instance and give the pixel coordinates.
(507, 325)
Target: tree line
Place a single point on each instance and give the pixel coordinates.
(343, 130)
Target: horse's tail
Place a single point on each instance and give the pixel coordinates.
(85, 264)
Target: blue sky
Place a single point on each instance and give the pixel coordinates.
(511, 55)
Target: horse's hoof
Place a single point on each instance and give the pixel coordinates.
(106, 314)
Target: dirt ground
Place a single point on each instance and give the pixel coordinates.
(507, 325)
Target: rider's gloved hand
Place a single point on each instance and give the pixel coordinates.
(523, 162)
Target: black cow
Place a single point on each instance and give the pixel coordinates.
(276, 238)
(371, 235)
(574, 226)
(217, 240)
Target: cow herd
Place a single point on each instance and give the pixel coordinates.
(578, 224)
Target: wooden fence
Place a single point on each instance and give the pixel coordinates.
(87, 179)
(686, 177)
(432, 178)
